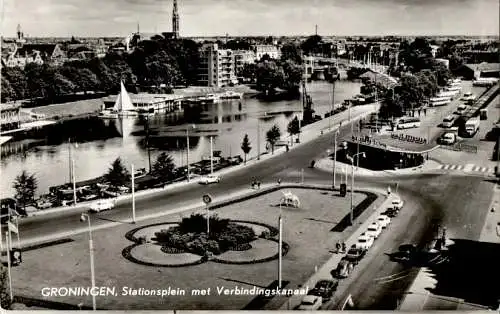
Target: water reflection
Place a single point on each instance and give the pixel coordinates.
(46, 152)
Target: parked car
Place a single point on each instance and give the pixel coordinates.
(310, 303)
(344, 269)
(374, 230)
(324, 289)
(102, 205)
(209, 179)
(383, 221)
(44, 203)
(397, 204)
(355, 254)
(365, 242)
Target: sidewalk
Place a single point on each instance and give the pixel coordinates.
(309, 132)
(324, 271)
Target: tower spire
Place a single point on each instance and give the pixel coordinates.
(175, 20)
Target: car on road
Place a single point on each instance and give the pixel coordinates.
(365, 242)
(355, 254)
(383, 221)
(102, 205)
(324, 289)
(461, 109)
(391, 212)
(374, 230)
(209, 179)
(310, 303)
(468, 96)
(344, 269)
(397, 203)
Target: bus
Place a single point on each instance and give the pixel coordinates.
(439, 101)
(408, 123)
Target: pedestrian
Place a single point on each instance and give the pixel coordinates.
(425, 111)
(258, 185)
(279, 181)
(388, 190)
(338, 247)
(344, 248)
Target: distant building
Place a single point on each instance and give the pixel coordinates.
(12, 59)
(217, 66)
(471, 71)
(242, 57)
(271, 50)
(49, 53)
(445, 62)
(434, 50)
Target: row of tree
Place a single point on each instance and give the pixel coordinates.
(26, 184)
(154, 62)
(420, 77)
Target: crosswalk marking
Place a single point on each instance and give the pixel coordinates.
(466, 168)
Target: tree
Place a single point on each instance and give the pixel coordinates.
(293, 128)
(293, 75)
(163, 167)
(117, 175)
(25, 185)
(8, 93)
(312, 45)
(245, 146)
(5, 302)
(269, 76)
(272, 136)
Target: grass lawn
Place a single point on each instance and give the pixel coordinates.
(306, 230)
(74, 108)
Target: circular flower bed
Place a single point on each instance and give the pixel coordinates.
(173, 244)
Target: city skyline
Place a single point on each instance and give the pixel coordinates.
(66, 18)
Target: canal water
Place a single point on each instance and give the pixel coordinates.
(95, 142)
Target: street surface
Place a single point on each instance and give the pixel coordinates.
(459, 202)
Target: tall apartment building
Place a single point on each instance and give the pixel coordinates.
(217, 66)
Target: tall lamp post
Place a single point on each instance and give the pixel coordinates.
(72, 176)
(280, 246)
(85, 217)
(187, 148)
(352, 184)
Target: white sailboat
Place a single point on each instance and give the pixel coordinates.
(123, 106)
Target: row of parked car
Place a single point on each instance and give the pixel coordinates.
(325, 288)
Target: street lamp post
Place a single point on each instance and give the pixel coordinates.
(335, 158)
(72, 176)
(85, 217)
(352, 185)
(280, 247)
(187, 150)
(133, 193)
(211, 155)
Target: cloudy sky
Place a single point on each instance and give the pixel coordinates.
(252, 17)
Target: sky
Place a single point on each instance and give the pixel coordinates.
(98, 18)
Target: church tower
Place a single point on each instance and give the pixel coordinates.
(175, 20)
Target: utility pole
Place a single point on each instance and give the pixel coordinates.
(211, 155)
(133, 193)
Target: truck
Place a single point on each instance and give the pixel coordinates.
(471, 126)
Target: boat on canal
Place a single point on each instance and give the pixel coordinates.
(123, 106)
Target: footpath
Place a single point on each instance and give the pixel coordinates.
(324, 271)
(308, 133)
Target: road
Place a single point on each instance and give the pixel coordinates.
(458, 202)
(438, 198)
